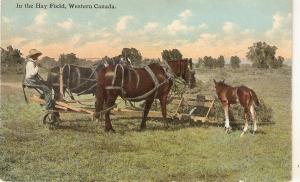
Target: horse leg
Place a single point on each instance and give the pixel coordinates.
(147, 107)
(99, 103)
(226, 109)
(110, 101)
(163, 105)
(246, 114)
(253, 115)
(56, 93)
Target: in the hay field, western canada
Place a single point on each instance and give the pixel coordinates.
(114, 90)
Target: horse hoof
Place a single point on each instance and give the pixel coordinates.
(166, 126)
(227, 130)
(142, 129)
(143, 126)
(110, 130)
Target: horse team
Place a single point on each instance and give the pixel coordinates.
(154, 81)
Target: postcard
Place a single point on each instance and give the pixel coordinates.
(112, 90)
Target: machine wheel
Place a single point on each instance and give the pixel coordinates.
(51, 119)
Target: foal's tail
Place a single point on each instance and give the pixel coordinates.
(254, 96)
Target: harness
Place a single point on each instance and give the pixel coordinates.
(121, 87)
(152, 75)
(79, 76)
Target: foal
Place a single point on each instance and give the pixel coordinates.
(243, 95)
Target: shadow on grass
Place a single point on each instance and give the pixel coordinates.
(123, 126)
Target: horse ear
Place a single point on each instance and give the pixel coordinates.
(223, 81)
(215, 81)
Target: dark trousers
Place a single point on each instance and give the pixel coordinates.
(35, 82)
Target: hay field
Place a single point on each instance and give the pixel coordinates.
(80, 150)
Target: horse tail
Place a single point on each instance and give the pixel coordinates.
(254, 96)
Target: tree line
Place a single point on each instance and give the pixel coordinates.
(210, 62)
(261, 54)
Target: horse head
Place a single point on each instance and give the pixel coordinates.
(101, 64)
(181, 68)
(184, 69)
(220, 85)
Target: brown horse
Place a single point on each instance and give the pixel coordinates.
(136, 84)
(185, 67)
(243, 95)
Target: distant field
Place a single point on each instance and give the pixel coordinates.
(80, 149)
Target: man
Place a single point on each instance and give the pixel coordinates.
(34, 80)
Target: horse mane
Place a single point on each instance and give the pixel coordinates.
(223, 84)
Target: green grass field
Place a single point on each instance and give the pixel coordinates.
(80, 149)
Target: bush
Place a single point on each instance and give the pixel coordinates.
(133, 54)
(262, 55)
(48, 62)
(208, 62)
(211, 62)
(264, 112)
(67, 59)
(235, 61)
(173, 54)
(199, 63)
(276, 63)
(220, 62)
(12, 58)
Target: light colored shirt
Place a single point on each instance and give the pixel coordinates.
(31, 68)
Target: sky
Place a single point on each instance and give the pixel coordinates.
(196, 27)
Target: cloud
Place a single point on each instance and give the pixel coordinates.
(193, 40)
(203, 26)
(150, 26)
(247, 32)
(6, 27)
(80, 39)
(277, 21)
(15, 41)
(281, 25)
(186, 13)
(179, 25)
(39, 21)
(40, 18)
(67, 24)
(229, 27)
(280, 34)
(207, 37)
(122, 23)
(75, 39)
(7, 20)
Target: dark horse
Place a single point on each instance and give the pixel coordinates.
(243, 95)
(135, 84)
(76, 79)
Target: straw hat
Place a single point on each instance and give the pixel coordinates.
(33, 52)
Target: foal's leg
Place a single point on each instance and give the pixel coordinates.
(246, 114)
(147, 107)
(226, 108)
(253, 115)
